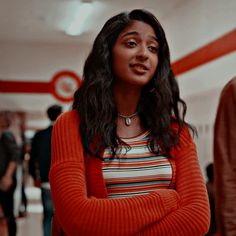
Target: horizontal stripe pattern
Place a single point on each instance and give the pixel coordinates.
(137, 171)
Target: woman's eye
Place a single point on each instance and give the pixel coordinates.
(131, 44)
(153, 49)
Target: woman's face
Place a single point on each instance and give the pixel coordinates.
(135, 55)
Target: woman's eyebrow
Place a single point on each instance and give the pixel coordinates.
(129, 33)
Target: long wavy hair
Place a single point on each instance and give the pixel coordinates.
(160, 103)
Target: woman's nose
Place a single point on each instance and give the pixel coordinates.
(142, 52)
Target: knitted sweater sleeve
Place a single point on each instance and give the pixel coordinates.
(193, 216)
(225, 161)
(77, 214)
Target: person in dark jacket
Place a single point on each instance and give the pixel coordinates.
(39, 166)
(9, 154)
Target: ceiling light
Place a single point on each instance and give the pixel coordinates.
(77, 26)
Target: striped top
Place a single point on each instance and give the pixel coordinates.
(137, 171)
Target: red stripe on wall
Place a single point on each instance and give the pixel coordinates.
(26, 87)
(218, 48)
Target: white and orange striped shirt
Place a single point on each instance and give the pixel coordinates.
(137, 171)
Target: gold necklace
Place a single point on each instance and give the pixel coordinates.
(128, 118)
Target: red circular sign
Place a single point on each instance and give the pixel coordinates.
(64, 84)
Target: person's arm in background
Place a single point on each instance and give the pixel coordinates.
(78, 214)
(193, 216)
(34, 161)
(225, 161)
(13, 153)
(7, 179)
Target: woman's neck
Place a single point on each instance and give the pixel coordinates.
(126, 99)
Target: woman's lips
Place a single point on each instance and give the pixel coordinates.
(139, 68)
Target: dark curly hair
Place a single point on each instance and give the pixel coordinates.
(160, 102)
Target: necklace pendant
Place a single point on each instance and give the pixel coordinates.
(127, 121)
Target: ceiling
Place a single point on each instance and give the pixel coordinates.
(46, 20)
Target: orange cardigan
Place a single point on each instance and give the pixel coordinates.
(80, 197)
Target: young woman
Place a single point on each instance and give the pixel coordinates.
(123, 161)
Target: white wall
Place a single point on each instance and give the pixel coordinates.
(37, 62)
(195, 23)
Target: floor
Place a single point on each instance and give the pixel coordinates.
(31, 225)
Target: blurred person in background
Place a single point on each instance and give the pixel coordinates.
(9, 155)
(17, 127)
(225, 160)
(211, 194)
(39, 166)
(22, 211)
